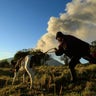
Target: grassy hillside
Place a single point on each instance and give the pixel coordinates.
(51, 81)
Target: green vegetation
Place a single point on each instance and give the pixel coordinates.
(51, 81)
(4, 63)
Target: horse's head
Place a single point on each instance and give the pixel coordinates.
(43, 57)
(39, 58)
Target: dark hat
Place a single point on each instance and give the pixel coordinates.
(59, 34)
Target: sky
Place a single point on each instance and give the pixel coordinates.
(23, 22)
(33, 24)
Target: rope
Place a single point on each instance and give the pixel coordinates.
(49, 50)
(46, 53)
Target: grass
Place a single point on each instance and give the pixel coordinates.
(51, 81)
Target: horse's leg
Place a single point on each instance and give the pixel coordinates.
(16, 74)
(14, 78)
(31, 75)
(29, 70)
(23, 77)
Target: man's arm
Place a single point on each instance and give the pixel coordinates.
(59, 51)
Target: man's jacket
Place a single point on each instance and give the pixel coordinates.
(74, 47)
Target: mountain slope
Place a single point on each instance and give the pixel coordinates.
(53, 62)
(60, 84)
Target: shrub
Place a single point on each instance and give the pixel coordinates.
(4, 63)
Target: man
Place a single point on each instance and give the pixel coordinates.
(74, 48)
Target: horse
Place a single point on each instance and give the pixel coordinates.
(26, 64)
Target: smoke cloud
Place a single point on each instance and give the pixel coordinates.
(78, 20)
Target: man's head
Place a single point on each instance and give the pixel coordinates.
(59, 36)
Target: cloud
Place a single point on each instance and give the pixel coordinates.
(46, 42)
(78, 20)
(83, 10)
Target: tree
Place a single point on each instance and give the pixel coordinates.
(93, 43)
(93, 48)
